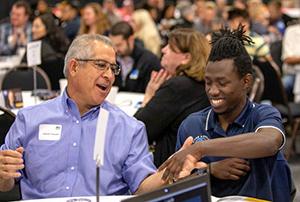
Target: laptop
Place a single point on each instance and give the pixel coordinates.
(195, 188)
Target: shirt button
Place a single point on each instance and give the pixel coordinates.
(72, 168)
(77, 121)
(74, 144)
(67, 188)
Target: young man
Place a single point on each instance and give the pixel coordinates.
(50, 146)
(137, 62)
(241, 140)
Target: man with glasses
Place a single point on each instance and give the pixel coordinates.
(16, 33)
(137, 62)
(49, 148)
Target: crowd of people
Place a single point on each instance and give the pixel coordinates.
(193, 62)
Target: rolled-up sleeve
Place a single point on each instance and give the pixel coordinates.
(139, 163)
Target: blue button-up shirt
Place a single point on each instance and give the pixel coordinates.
(269, 177)
(65, 167)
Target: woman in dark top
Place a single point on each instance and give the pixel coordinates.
(175, 91)
(54, 46)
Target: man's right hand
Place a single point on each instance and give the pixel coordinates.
(11, 162)
(230, 168)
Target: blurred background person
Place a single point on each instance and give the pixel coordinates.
(54, 47)
(146, 30)
(175, 91)
(42, 7)
(205, 22)
(111, 11)
(93, 20)
(17, 32)
(70, 18)
(167, 21)
(137, 62)
(260, 48)
(291, 59)
(127, 10)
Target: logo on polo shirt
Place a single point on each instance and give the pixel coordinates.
(200, 138)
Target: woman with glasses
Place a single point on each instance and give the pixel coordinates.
(175, 91)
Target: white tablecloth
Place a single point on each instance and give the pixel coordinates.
(92, 199)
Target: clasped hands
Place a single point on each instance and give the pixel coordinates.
(187, 158)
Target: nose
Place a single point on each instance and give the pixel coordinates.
(212, 91)
(108, 72)
(163, 50)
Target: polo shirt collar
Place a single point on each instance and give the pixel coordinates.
(212, 119)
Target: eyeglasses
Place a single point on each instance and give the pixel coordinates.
(103, 65)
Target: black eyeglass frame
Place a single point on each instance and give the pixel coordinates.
(115, 68)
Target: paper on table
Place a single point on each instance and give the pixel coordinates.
(100, 136)
(34, 53)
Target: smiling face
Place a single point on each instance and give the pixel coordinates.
(172, 59)
(38, 29)
(89, 86)
(226, 90)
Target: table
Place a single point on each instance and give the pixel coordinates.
(91, 198)
(119, 198)
(126, 101)
(129, 102)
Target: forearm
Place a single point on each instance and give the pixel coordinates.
(292, 60)
(151, 183)
(6, 185)
(242, 146)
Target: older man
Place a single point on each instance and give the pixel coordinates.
(17, 32)
(52, 144)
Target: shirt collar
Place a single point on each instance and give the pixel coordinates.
(70, 106)
(212, 119)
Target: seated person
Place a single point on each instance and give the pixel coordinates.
(136, 61)
(49, 148)
(241, 140)
(17, 32)
(168, 102)
(54, 46)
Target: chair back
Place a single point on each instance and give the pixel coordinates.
(23, 78)
(274, 90)
(6, 120)
(258, 85)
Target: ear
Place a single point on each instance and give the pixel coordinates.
(248, 81)
(187, 58)
(73, 67)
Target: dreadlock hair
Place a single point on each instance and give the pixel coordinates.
(229, 44)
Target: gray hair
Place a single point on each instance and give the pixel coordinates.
(82, 47)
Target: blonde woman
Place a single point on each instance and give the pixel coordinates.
(176, 91)
(146, 30)
(93, 20)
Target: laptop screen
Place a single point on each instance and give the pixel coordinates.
(192, 189)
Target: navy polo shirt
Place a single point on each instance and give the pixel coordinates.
(269, 177)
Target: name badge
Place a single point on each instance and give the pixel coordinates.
(49, 132)
(134, 74)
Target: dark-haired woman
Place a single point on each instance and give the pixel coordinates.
(54, 47)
